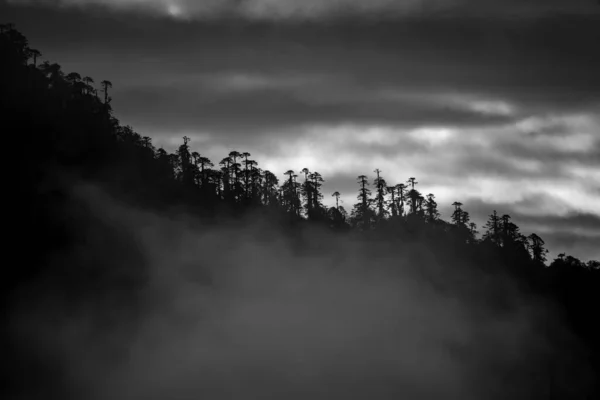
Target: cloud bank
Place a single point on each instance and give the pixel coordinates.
(244, 311)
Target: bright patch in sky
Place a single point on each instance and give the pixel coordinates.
(492, 108)
(588, 174)
(432, 136)
(174, 10)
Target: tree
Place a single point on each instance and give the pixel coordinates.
(420, 200)
(34, 54)
(337, 195)
(106, 85)
(195, 157)
(204, 163)
(362, 212)
(401, 187)
(592, 265)
(464, 218)
(492, 226)
(52, 72)
(6, 27)
(307, 191)
(473, 228)
(457, 214)
(536, 247)
(290, 193)
(412, 182)
(186, 168)
(235, 169)
(270, 188)
(337, 216)
(415, 200)
(225, 165)
(509, 231)
(316, 182)
(18, 51)
(73, 77)
(431, 208)
(392, 190)
(88, 81)
(246, 173)
(381, 186)
(251, 175)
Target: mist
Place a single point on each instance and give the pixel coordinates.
(246, 309)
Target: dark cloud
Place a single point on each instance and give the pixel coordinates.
(263, 111)
(548, 63)
(552, 158)
(330, 9)
(509, 61)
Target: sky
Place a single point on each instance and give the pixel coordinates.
(493, 103)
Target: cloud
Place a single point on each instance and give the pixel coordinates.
(493, 67)
(243, 107)
(318, 9)
(228, 313)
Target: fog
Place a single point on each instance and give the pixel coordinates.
(244, 310)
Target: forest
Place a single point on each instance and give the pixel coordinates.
(62, 125)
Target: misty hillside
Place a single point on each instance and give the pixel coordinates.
(133, 273)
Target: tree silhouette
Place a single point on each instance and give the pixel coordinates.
(270, 189)
(337, 195)
(105, 86)
(536, 246)
(73, 77)
(361, 212)
(225, 177)
(316, 182)
(412, 182)
(246, 172)
(457, 214)
(393, 206)
(290, 194)
(35, 54)
(307, 191)
(381, 186)
(415, 200)
(492, 226)
(88, 81)
(251, 177)
(6, 27)
(473, 228)
(431, 208)
(401, 188)
(235, 171)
